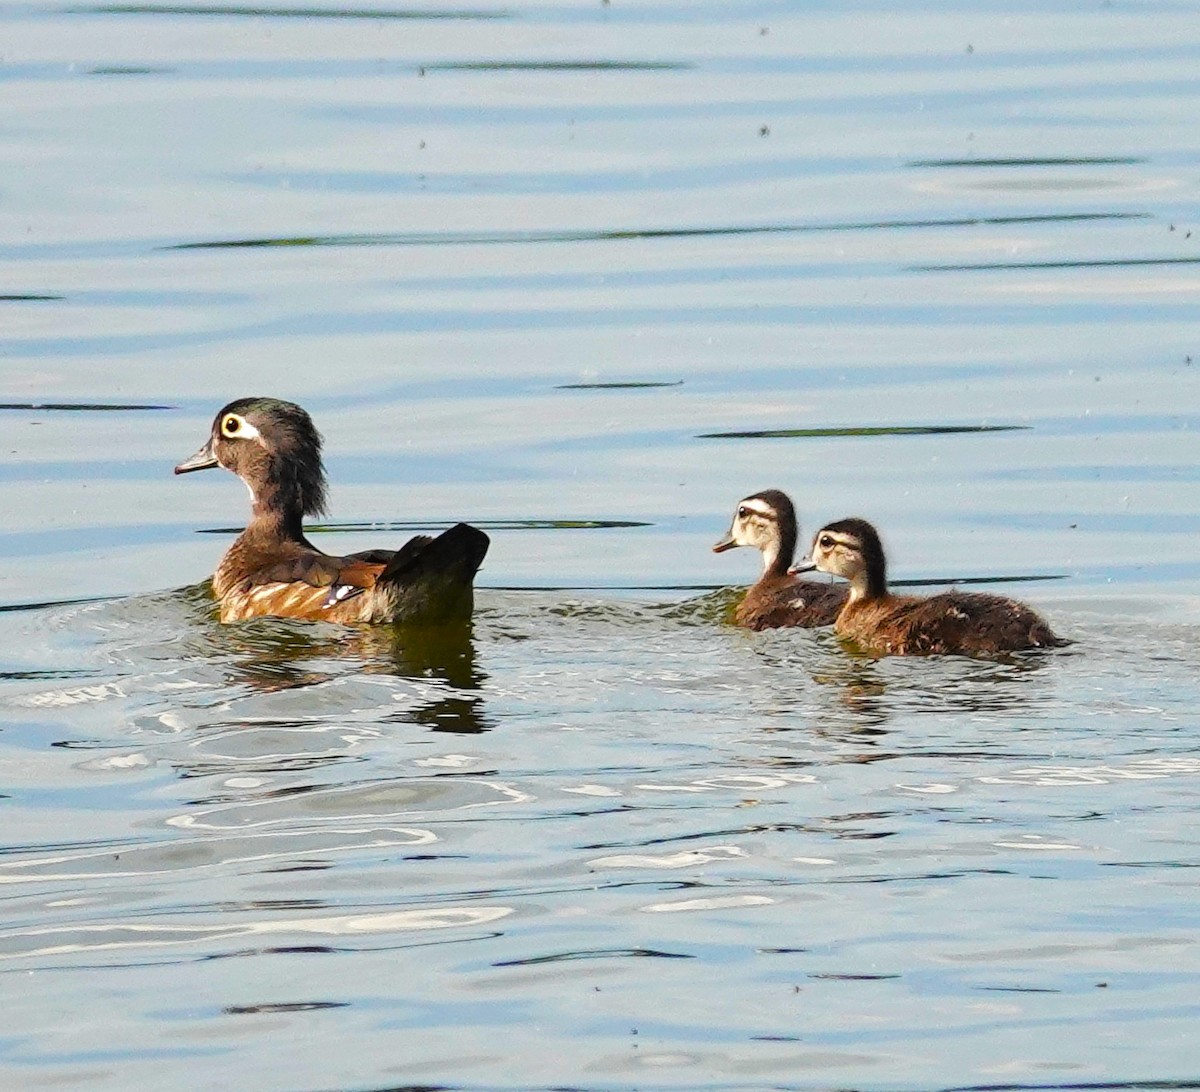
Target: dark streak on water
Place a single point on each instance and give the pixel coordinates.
(599, 953)
(505, 238)
(1050, 161)
(72, 407)
(920, 582)
(234, 10)
(556, 66)
(484, 524)
(614, 386)
(868, 430)
(47, 604)
(1018, 989)
(282, 1006)
(1085, 1086)
(1095, 263)
(830, 976)
(128, 70)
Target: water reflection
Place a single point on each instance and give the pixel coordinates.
(446, 653)
(272, 655)
(858, 695)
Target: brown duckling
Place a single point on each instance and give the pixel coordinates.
(273, 570)
(767, 521)
(960, 623)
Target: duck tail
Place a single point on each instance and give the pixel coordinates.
(430, 579)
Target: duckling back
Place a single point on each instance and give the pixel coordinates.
(776, 602)
(952, 623)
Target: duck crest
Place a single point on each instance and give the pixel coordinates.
(290, 474)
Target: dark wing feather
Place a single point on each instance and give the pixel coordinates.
(430, 579)
(372, 557)
(319, 570)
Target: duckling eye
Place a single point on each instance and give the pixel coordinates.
(743, 512)
(825, 542)
(232, 425)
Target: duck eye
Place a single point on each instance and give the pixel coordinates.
(826, 543)
(232, 425)
(743, 512)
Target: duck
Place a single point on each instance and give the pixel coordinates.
(272, 570)
(950, 623)
(767, 521)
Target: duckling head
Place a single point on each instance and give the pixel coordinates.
(274, 447)
(766, 521)
(849, 548)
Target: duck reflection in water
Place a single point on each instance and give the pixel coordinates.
(269, 656)
(867, 692)
(821, 685)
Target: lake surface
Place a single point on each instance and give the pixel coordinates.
(585, 274)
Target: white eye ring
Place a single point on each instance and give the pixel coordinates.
(236, 427)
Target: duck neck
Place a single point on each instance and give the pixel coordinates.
(869, 585)
(778, 557)
(277, 512)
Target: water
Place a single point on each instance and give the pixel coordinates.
(586, 275)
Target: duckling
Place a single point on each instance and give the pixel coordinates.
(767, 521)
(958, 623)
(273, 570)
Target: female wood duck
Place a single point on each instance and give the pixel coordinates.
(767, 521)
(273, 570)
(961, 623)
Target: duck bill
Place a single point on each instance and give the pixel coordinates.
(204, 459)
(726, 543)
(804, 565)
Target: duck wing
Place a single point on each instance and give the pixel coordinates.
(428, 579)
(302, 584)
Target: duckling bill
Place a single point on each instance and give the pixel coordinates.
(767, 521)
(272, 570)
(958, 623)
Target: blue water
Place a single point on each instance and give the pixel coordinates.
(531, 266)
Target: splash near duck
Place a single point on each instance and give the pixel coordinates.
(954, 623)
(767, 522)
(272, 570)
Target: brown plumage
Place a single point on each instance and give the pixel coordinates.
(767, 521)
(962, 623)
(273, 570)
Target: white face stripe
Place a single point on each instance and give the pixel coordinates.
(244, 430)
(759, 507)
